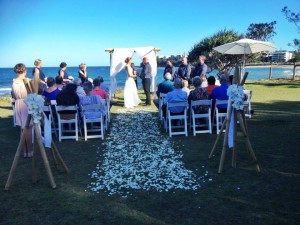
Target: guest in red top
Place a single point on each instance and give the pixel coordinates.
(97, 90)
(211, 84)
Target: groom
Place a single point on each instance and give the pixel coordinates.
(145, 76)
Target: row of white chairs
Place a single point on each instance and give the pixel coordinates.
(93, 128)
(199, 123)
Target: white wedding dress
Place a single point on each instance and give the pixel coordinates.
(131, 98)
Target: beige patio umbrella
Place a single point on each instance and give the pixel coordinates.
(244, 46)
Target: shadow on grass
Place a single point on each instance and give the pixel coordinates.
(237, 196)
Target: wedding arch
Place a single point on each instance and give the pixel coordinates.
(118, 56)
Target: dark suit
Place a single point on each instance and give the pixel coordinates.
(146, 80)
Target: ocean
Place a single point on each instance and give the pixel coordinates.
(7, 74)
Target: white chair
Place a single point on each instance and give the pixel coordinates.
(160, 104)
(93, 127)
(180, 118)
(108, 109)
(12, 100)
(247, 103)
(194, 117)
(48, 112)
(218, 116)
(107, 112)
(53, 102)
(61, 122)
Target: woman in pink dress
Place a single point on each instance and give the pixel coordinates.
(19, 93)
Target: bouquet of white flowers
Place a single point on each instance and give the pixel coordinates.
(35, 105)
(236, 94)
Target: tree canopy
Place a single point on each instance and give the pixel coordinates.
(261, 31)
(294, 18)
(215, 60)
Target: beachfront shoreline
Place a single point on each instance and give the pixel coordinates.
(273, 66)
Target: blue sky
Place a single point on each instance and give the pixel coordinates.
(79, 31)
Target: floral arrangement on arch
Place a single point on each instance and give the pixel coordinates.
(35, 105)
(236, 94)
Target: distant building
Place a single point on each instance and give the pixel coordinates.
(282, 56)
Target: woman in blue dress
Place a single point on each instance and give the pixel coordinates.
(39, 73)
(62, 72)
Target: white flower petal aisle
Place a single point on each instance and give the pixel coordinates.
(137, 156)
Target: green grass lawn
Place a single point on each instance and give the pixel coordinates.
(237, 196)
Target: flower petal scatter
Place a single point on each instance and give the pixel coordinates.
(236, 94)
(136, 156)
(35, 104)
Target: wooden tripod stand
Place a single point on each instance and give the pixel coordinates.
(239, 116)
(55, 154)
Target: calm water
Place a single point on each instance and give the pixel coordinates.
(7, 75)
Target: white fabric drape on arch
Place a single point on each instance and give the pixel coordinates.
(117, 63)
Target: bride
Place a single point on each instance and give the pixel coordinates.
(131, 98)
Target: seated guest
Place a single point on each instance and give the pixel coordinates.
(51, 92)
(220, 92)
(97, 90)
(59, 82)
(185, 87)
(104, 86)
(177, 95)
(68, 97)
(89, 99)
(211, 84)
(203, 81)
(79, 89)
(164, 87)
(199, 93)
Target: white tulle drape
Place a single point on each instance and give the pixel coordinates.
(117, 63)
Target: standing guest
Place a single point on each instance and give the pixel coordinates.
(220, 92)
(51, 92)
(145, 76)
(68, 97)
(164, 87)
(211, 84)
(177, 95)
(79, 89)
(170, 68)
(37, 72)
(185, 87)
(104, 86)
(135, 72)
(59, 82)
(62, 72)
(199, 93)
(19, 93)
(90, 98)
(184, 70)
(97, 90)
(201, 68)
(82, 74)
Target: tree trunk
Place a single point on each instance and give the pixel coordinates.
(270, 73)
(294, 71)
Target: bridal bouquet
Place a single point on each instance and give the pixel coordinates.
(236, 94)
(35, 105)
